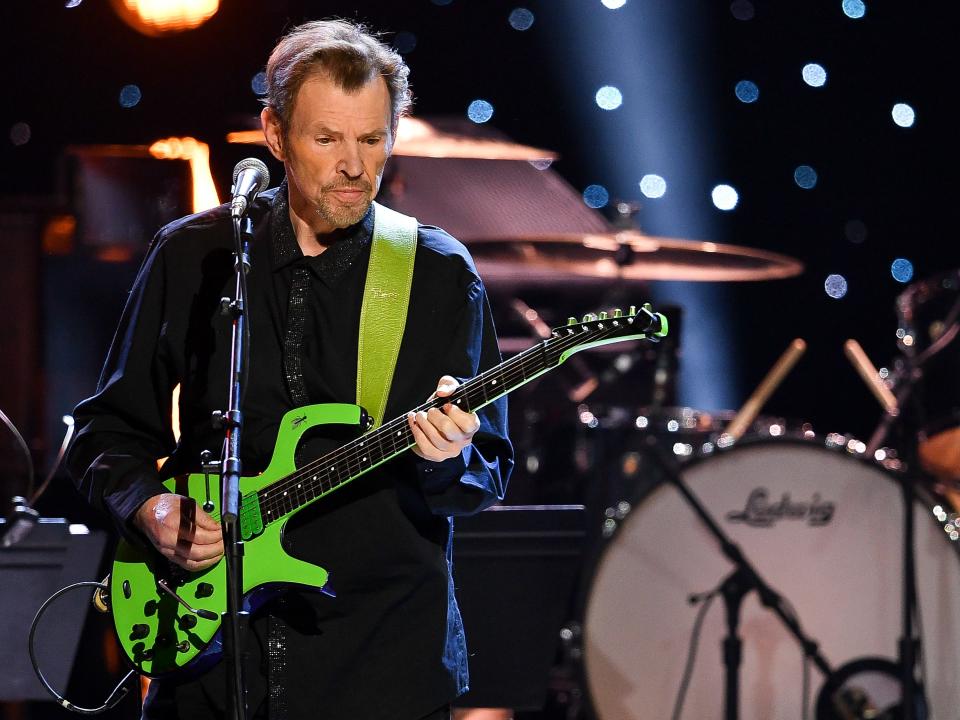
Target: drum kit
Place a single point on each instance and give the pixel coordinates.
(689, 506)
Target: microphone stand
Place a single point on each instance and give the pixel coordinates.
(734, 588)
(235, 620)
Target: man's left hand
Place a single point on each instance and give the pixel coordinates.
(441, 435)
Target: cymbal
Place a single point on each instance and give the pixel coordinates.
(419, 138)
(628, 255)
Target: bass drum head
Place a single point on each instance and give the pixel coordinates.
(823, 528)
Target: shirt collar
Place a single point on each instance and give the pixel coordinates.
(330, 264)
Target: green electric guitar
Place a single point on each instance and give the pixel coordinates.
(168, 619)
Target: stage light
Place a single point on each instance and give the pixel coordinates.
(835, 286)
(20, 133)
(130, 95)
(258, 83)
(746, 91)
(805, 176)
(595, 196)
(902, 270)
(72, 3)
(520, 19)
(162, 17)
(742, 9)
(404, 42)
(653, 186)
(613, 4)
(854, 9)
(903, 115)
(480, 111)
(609, 97)
(724, 197)
(198, 155)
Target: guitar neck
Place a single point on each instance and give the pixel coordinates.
(371, 449)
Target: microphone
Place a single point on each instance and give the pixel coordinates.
(250, 178)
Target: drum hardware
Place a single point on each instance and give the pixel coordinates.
(908, 376)
(734, 588)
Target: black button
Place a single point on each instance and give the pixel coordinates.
(187, 622)
(204, 590)
(139, 631)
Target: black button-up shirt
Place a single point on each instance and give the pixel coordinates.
(391, 644)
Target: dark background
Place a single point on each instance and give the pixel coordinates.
(63, 69)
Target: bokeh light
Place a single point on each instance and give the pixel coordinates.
(258, 83)
(854, 9)
(595, 196)
(653, 186)
(835, 286)
(724, 197)
(72, 3)
(156, 18)
(404, 42)
(856, 231)
(520, 19)
(903, 115)
(902, 270)
(613, 4)
(814, 75)
(130, 95)
(480, 111)
(805, 176)
(609, 97)
(20, 133)
(742, 9)
(747, 91)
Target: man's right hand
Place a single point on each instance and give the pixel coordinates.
(181, 531)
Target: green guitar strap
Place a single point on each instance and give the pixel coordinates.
(383, 314)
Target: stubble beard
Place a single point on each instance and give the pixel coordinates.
(342, 216)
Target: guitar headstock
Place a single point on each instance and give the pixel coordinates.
(602, 328)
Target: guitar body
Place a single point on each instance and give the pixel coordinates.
(158, 634)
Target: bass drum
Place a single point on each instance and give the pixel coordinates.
(823, 527)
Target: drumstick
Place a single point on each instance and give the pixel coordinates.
(870, 376)
(751, 408)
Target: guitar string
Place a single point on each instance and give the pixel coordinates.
(318, 485)
(315, 475)
(269, 499)
(268, 496)
(349, 454)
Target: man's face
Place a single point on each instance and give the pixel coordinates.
(335, 150)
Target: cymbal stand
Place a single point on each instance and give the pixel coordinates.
(734, 588)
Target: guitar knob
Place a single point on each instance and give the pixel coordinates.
(150, 608)
(603, 316)
(187, 622)
(571, 321)
(204, 590)
(139, 631)
(617, 312)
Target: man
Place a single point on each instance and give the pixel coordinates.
(390, 646)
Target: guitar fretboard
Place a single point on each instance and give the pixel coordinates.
(358, 456)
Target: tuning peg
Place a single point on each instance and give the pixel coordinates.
(588, 317)
(633, 311)
(571, 321)
(603, 316)
(617, 312)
